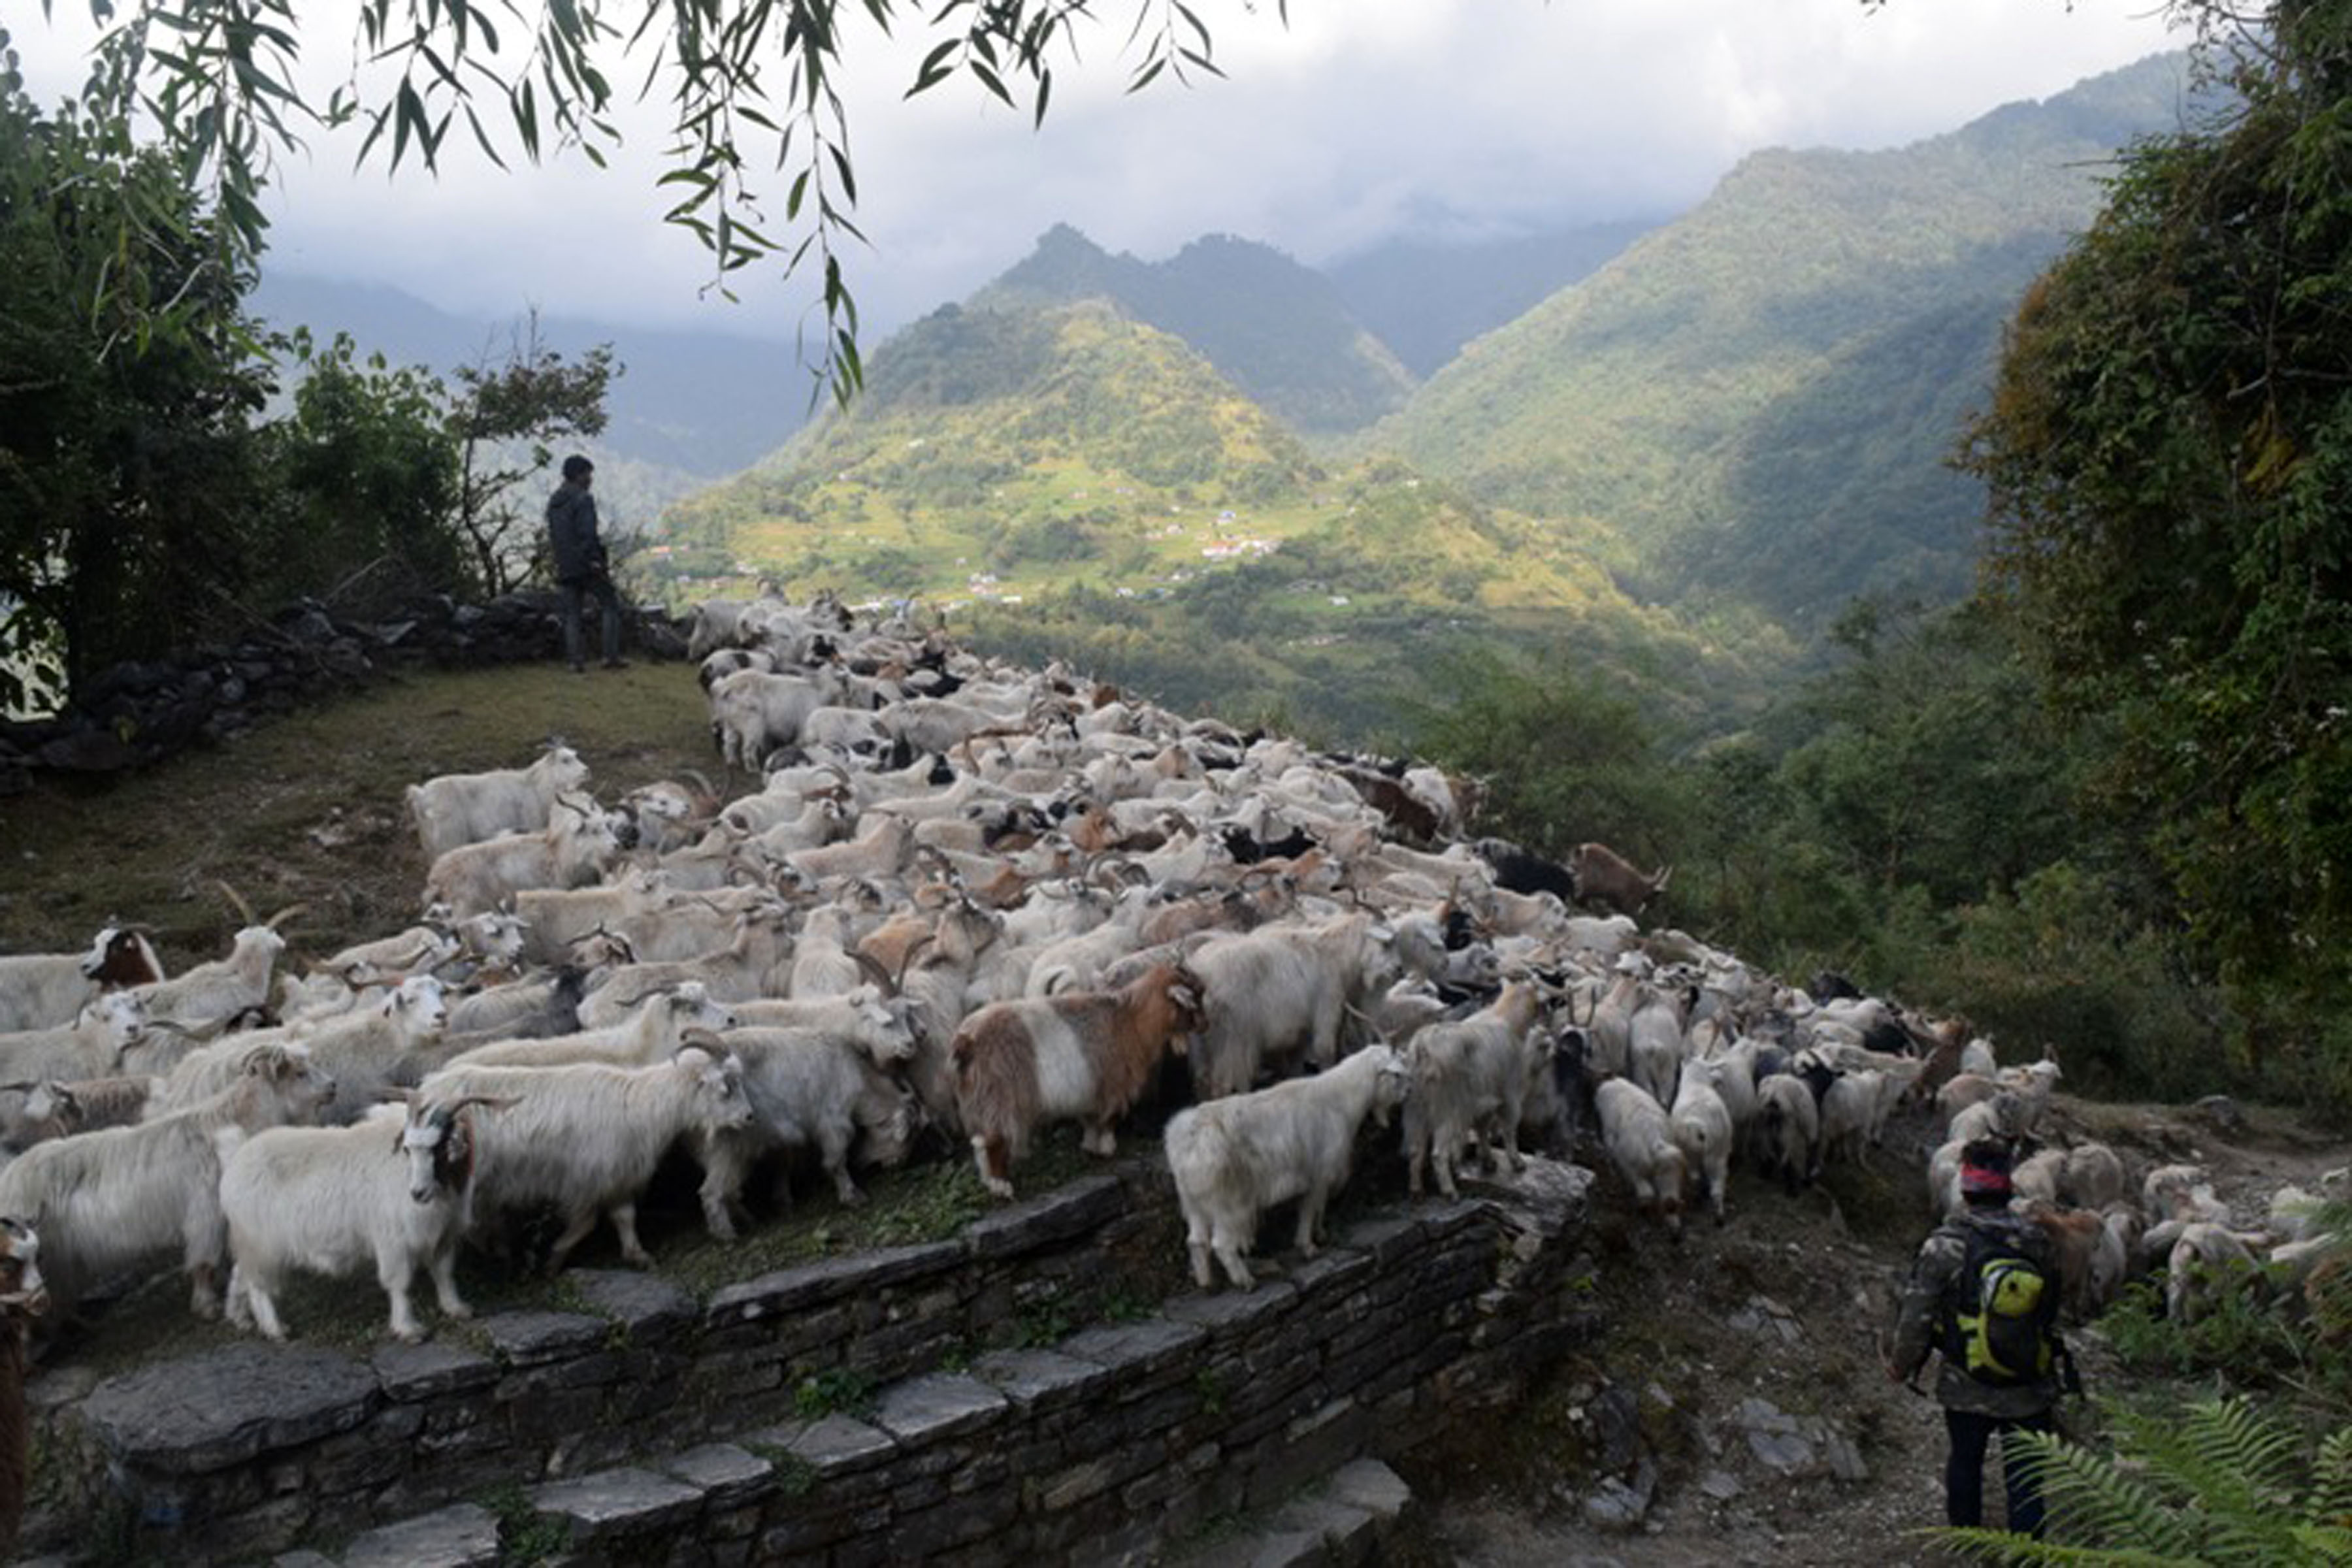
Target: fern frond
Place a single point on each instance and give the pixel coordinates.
(2331, 1479)
(2011, 1551)
(2234, 1471)
(2100, 1500)
(2255, 1454)
(2330, 1546)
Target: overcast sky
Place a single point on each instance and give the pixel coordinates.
(1361, 121)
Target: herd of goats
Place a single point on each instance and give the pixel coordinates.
(963, 902)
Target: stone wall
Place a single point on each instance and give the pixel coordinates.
(869, 1409)
(137, 714)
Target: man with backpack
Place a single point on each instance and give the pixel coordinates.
(1983, 1294)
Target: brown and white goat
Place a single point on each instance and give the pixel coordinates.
(1088, 1054)
(46, 989)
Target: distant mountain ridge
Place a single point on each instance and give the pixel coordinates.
(1426, 300)
(1276, 330)
(1760, 395)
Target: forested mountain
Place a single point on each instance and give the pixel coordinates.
(1279, 331)
(1680, 468)
(1425, 300)
(1146, 518)
(1760, 395)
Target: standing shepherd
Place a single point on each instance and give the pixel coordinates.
(1983, 1294)
(580, 564)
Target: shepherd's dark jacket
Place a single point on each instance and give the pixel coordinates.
(572, 533)
(1925, 1322)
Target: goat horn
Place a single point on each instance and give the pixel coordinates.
(244, 911)
(873, 966)
(907, 958)
(287, 913)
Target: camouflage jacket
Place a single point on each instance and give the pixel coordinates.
(1924, 1324)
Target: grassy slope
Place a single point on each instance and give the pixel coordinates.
(309, 809)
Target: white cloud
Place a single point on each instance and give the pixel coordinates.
(1360, 118)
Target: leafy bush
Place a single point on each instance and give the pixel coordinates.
(2060, 962)
(2243, 1340)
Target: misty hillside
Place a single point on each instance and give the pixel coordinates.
(689, 406)
(1760, 395)
(1425, 300)
(1279, 331)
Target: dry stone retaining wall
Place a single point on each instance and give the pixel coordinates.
(654, 1428)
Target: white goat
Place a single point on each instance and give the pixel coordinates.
(578, 844)
(2207, 1263)
(214, 993)
(1471, 1076)
(466, 809)
(1269, 992)
(1700, 1125)
(585, 1137)
(1234, 1158)
(390, 1190)
(753, 712)
(358, 1050)
(113, 1200)
(61, 1108)
(1847, 1111)
(1641, 1143)
(812, 1088)
(655, 1030)
(1788, 1129)
(92, 1047)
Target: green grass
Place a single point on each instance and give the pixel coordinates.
(309, 809)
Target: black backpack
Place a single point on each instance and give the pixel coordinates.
(2003, 1320)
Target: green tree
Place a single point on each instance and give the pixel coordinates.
(1564, 757)
(504, 418)
(2169, 450)
(364, 484)
(127, 382)
(751, 86)
(1927, 759)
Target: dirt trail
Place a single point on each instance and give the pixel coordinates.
(1733, 1410)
